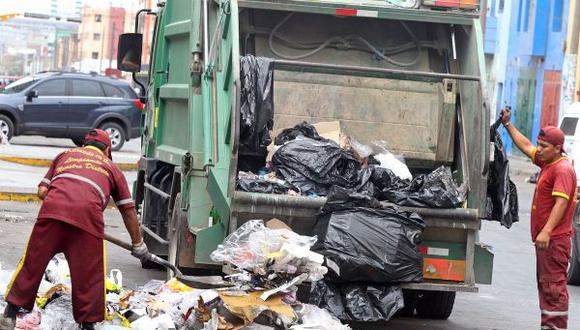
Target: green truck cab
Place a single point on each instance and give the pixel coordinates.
(410, 73)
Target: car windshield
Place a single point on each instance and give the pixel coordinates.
(19, 85)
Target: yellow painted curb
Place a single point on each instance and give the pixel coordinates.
(18, 197)
(46, 162)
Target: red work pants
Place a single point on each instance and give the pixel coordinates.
(551, 272)
(85, 255)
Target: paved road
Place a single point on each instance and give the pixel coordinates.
(510, 303)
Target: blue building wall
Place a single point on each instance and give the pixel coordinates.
(535, 32)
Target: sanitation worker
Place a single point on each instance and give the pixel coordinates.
(75, 192)
(551, 219)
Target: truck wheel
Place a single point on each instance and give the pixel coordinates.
(435, 304)
(6, 127)
(574, 266)
(116, 133)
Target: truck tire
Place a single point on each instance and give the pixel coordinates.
(435, 304)
(6, 127)
(574, 266)
(116, 133)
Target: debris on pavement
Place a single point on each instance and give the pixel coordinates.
(361, 302)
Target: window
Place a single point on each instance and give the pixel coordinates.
(492, 9)
(98, 18)
(96, 36)
(112, 91)
(557, 16)
(568, 126)
(86, 88)
(54, 87)
(95, 55)
(500, 7)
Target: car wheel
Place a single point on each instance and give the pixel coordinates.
(79, 142)
(116, 133)
(6, 127)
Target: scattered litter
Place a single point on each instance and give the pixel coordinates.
(314, 318)
(268, 184)
(502, 195)
(11, 217)
(364, 241)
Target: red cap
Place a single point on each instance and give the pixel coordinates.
(100, 136)
(552, 135)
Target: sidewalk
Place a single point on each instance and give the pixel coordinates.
(40, 151)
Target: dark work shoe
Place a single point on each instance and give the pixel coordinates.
(8, 318)
(7, 322)
(87, 326)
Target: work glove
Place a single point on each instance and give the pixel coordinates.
(140, 251)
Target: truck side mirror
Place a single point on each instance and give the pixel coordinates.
(31, 94)
(130, 47)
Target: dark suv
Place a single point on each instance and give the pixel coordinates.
(67, 105)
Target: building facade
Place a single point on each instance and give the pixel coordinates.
(525, 42)
(99, 34)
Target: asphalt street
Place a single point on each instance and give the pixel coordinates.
(509, 303)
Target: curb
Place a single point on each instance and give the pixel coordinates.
(46, 162)
(19, 197)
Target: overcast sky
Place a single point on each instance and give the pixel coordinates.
(43, 6)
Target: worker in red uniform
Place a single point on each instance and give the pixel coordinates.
(551, 219)
(75, 192)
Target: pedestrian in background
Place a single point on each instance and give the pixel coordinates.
(75, 192)
(553, 207)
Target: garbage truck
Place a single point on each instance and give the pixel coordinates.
(410, 73)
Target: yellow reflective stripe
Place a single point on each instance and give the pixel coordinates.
(105, 275)
(96, 149)
(560, 194)
(17, 271)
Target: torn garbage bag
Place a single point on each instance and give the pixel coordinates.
(314, 166)
(361, 302)
(257, 103)
(303, 129)
(251, 182)
(502, 195)
(363, 241)
(436, 189)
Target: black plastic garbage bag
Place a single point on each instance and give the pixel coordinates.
(257, 103)
(363, 241)
(436, 189)
(502, 195)
(362, 302)
(314, 166)
(304, 129)
(262, 186)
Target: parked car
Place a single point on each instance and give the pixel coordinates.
(67, 105)
(569, 125)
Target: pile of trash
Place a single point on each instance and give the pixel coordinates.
(304, 162)
(271, 261)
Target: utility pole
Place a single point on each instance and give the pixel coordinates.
(112, 44)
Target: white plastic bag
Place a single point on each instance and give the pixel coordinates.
(316, 318)
(391, 162)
